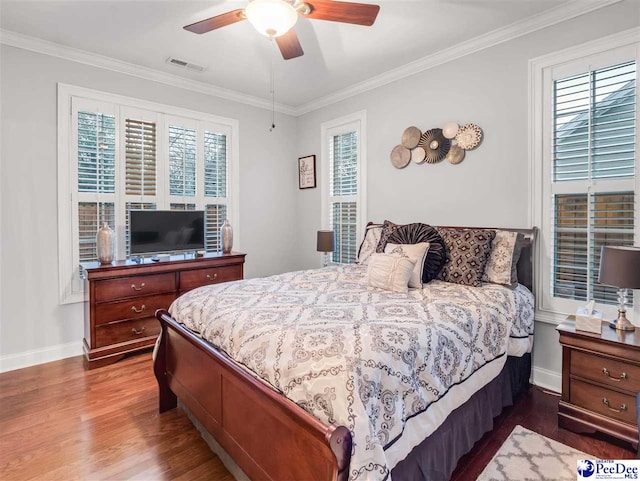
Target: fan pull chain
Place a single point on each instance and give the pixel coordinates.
(273, 93)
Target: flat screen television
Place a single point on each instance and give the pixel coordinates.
(166, 231)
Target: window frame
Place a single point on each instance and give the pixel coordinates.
(69, 97)
(357, 122)
(543, 71)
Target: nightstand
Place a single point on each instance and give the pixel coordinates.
(600, 379)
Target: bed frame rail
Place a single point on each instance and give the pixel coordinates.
(268, 436)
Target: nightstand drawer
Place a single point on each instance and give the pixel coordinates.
(123, 331)
(132, 308)
(114, 289)
(609, 403)
(618, 374)
(215, 275)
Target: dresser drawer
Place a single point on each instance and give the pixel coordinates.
(132, 308)
(604, 401)
(618, 374)
(214, 275)
(114, 289)
(116, 332)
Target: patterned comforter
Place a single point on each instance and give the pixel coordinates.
(362, 357)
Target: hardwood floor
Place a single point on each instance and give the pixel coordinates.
(60, 422)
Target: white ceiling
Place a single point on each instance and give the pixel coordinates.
(237, 57)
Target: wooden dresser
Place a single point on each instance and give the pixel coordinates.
(600, 379)
(121, 300)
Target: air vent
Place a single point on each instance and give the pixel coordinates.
(184, 64)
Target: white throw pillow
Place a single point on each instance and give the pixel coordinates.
(416, 253)
(389, 272)
(369, 243)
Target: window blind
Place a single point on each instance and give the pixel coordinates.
(215, 164)
(91, 215)
(140, 157)
(96, 152)
(344, 169)
(344, 222)
(593, 158)
(215, 215)
(182, 161)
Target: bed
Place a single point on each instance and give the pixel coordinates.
(281, 371)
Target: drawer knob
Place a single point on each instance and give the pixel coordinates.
(142, 308)
(606, 372)
(210, 277)
(133, 286)
(623, 407)
(135, 331)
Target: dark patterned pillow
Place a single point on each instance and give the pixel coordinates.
(467, 253)
(416, 233)
(387, 229)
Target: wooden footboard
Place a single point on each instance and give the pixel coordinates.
(266, 434)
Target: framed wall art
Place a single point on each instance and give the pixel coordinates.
(307, 172)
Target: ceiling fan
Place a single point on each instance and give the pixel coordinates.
(276, 18)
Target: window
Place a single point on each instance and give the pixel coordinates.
(586, 186)
(118, 154)
(343, 187)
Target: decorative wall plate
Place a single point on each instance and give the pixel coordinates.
(455, 154)
(418, 155)
(434, 145)
(411, 137)
(400, 156)
(469, 136)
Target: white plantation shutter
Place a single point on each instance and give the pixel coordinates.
(593, 175)
(182, 161)
(91, 216)
(215, 214)
(343, 194)
(140, 157)
(96, 134)
(215, 165)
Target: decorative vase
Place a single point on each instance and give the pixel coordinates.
(226, 234)
(105, 244)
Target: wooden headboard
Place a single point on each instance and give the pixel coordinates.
(525, 264)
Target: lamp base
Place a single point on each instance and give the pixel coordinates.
(622, 323)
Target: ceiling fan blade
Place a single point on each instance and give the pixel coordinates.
(289, 45)
(345, 12)
(218, 21)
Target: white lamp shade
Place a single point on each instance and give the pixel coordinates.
(450, 130)
(272, 18)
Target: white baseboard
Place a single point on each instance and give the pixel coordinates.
(546, 379)
(20, 360)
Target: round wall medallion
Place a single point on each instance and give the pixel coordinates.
(455, 154)
(411, 137)
(434, 145)
(469, 136)
(400, 156)
(418, 155)
(450, 130)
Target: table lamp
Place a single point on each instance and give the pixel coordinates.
(620, 267)
(325, 244)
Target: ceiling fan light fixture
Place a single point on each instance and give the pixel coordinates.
(272, 18)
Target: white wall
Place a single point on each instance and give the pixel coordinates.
(490, 187)
(33, 325)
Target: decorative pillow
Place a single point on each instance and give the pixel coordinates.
(467, 254)
(416, 253)
(505, 252)
(415, 233)
(389, 272)
(369, 243)
(388, 228)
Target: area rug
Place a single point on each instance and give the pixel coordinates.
(529, 456)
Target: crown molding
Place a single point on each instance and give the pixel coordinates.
(34, 44)
(512, 31)
(566, 11)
